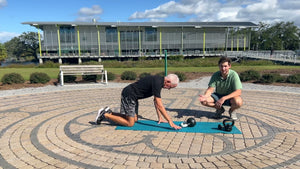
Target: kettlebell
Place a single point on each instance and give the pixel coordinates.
(190, 122)
(227, 125)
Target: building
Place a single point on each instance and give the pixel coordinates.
(100, 40)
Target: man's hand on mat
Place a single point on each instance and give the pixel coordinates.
(174, 126)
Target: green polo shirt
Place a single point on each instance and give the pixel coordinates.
(225, 86)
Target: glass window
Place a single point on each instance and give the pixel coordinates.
(67, 34)
(111, 34)
(129, 36)
(150, 34)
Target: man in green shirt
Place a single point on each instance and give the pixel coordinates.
(224, 88)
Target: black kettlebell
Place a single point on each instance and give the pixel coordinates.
(190, 122)
(227, 125)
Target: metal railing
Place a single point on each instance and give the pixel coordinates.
(282, 56)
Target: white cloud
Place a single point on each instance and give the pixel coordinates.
(174, 8)
(227, 14)
(225, 10)
(272, 11)
(87, 14)
(290, 4)
(156, 13)
(7, 36)
(3, 3)
(87, 18)
(260, 10)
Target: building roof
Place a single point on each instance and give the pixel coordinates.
(150, 24)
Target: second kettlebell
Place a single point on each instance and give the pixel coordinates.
(227, 125)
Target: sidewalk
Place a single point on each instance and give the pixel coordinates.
(52, 130)
(200, 83)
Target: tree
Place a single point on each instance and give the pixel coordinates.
(23, 45)
(258, 36)
(31, 42)
(280, 36)
(290, 36)
(15, 48)
(3, 53)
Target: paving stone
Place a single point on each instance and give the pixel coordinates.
(169, 165)
(52, 130)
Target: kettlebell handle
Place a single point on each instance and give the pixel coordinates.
(228, 120)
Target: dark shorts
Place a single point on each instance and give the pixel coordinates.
(129, 105)
(216, 97)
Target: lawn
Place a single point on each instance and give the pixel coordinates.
(53, 72)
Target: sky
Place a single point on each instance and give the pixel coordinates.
(14, 12)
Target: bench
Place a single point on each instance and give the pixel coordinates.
(82, 70)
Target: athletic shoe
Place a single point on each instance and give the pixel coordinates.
(107, 110)
(233, 115)
(219, 113)
(100, 116)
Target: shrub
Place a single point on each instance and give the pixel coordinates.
(248, 62)
(128, 75)
(273, 77)
(279, 78)
(49, 64)
(176, 57)
(90, 78)
(111, 76)
(21, 66)
(293, 79)
(142, 75)
(92, 62)
(39, 77)
(267, 78)
(12, 78)
(142, 58)
(181, 76)
(68, 78)
(162, 74)
(249, 75)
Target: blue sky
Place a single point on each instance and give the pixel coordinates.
(14, 12)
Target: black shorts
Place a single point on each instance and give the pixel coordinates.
(217, 97)
(129, 105)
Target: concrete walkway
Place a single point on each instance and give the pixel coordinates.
(52, 130)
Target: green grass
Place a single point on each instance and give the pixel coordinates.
(211, 69)
(119, 71)
(53, 72)
(25, 72)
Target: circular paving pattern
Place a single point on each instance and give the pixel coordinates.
(52, 130)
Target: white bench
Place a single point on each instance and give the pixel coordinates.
(82, 70)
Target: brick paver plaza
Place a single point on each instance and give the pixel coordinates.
(52, 130)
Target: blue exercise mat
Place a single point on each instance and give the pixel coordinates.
(200, 127)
